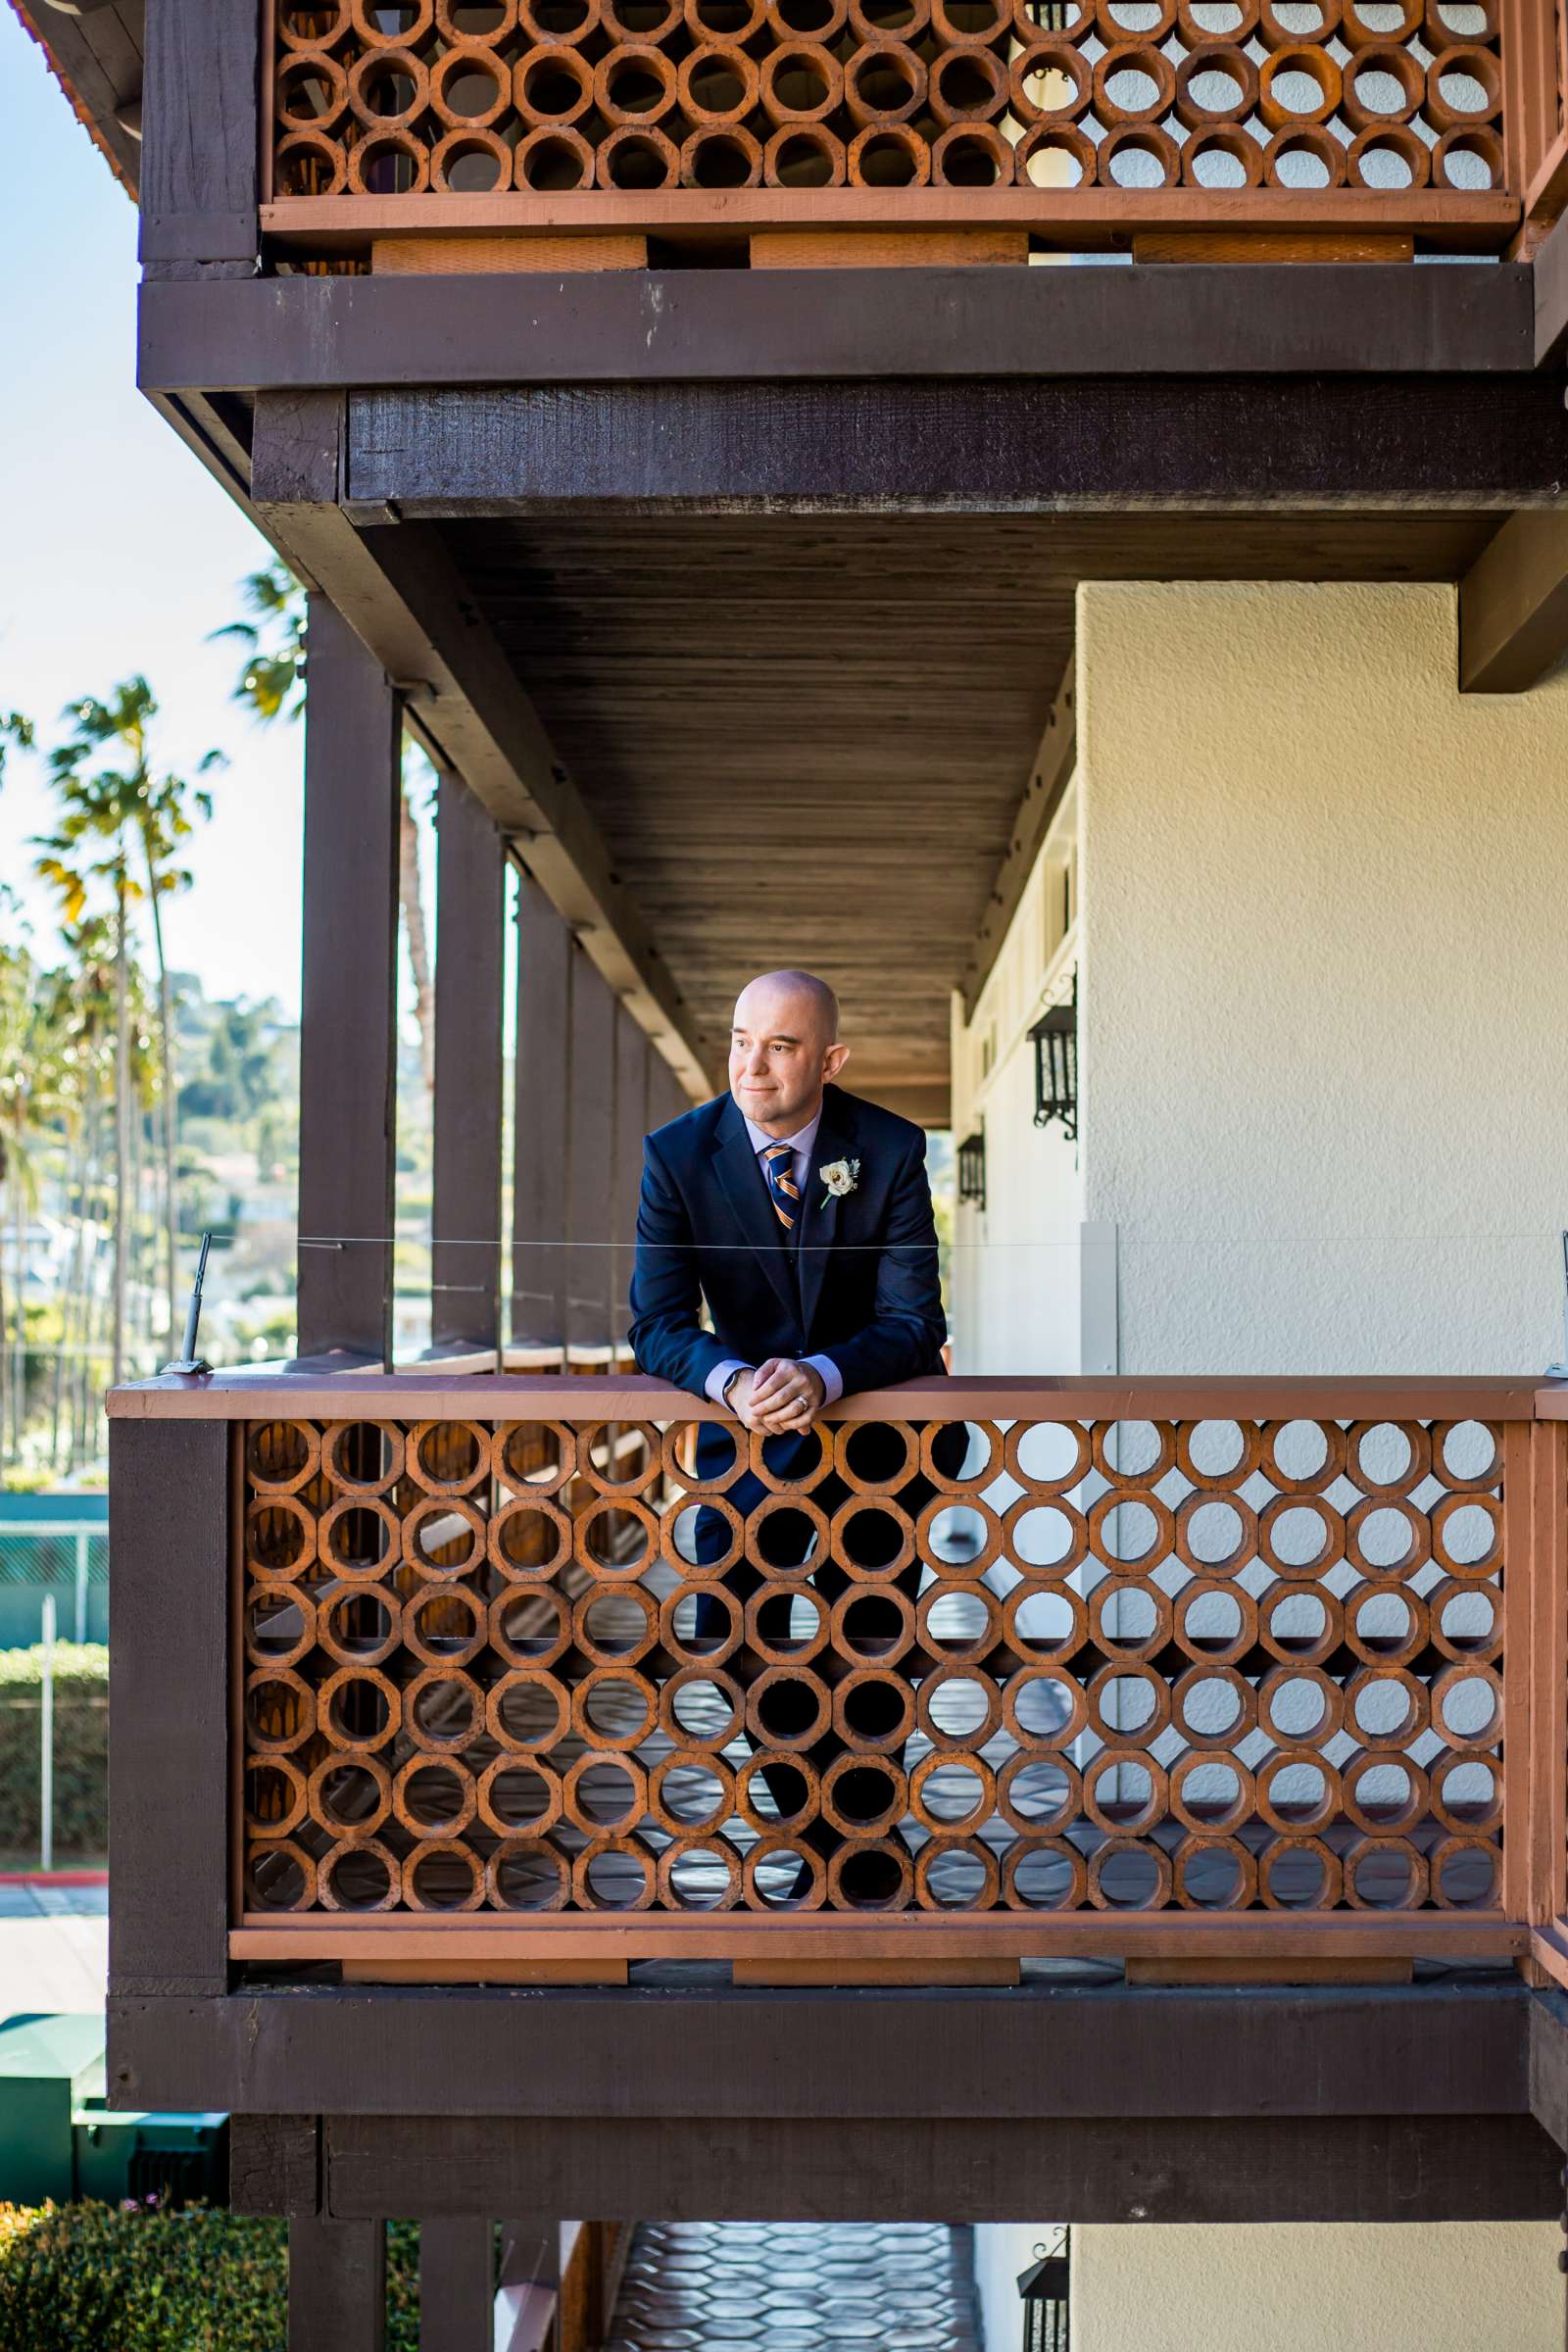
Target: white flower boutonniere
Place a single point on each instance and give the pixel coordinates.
(840, 1176)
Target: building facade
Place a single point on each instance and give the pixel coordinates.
(678, 429)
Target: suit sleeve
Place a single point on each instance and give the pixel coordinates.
(667, 1299)
(903, 1339)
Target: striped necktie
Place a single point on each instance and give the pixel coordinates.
(778, 1166)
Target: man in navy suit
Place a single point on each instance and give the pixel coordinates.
(800, 1213)
(803, 1216)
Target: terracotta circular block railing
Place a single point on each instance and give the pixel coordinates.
(477, 97)
(1253, 1661)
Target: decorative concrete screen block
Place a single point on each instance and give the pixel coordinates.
(1088, 1666)
(553, 96)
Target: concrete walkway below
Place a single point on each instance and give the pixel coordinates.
(754, 2287)
(54, 1946)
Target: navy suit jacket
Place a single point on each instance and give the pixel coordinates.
(862, 1287)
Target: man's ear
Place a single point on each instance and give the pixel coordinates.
(833, 1061)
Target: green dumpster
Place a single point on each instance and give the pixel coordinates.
(58, 2139)
(49, 2067)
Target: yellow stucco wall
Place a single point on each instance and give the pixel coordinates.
(1324, 1016)
(1460, 2287)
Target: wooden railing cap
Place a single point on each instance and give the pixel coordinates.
(315, 1390)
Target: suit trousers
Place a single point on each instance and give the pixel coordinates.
(862, 1792)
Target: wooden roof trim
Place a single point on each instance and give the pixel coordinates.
(118, 151)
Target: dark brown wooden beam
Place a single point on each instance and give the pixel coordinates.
(291, 334)
(469, 963)
(1311, 442)
(633, 1054)
(1549, 2064)
(543, 1083)
(590, 1157)
(170, 1500)
(201, 105)
(401, 592)
(348, 1003)
(209, 433)
(336, 2283)
(1550, 291)
(698, 2050)
(457, 2286)
(1358, 2167)
(1048, 777)
(1514, 606)
(274, 2163)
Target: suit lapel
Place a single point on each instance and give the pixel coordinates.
(820, 1213)
(746, 1190)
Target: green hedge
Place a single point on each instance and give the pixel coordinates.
(81, 1750)
(94, 2278)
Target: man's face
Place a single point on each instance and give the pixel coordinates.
(780, 1056)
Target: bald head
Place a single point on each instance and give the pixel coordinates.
(784, 1049)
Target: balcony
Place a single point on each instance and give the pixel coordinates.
(1256, 1677)
(418, 136)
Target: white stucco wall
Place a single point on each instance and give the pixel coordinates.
(1018, 1267)
(1016, 1262)
(1401, 2288)
(1325, 1019)
(1324, 1066)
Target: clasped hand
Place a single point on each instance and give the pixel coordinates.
(780, 1395)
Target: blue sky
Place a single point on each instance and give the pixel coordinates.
(117, 551)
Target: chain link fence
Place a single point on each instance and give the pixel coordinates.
(67, 1556)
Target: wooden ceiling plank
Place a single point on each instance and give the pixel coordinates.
(850, 702)
(396, 587)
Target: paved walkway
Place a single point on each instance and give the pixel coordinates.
(54, 1947)
(745, 2286)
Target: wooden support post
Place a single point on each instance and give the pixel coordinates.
(337, 2285)
(348, 1015)
(1519, 1593)
(590, 1151)
(633, 1054)
(1533, 72)
(201, 99)
(1513, 604)
(469, 961)
(666, 1097)
(543, 1087)
(457, 2286)
(587, 2299)
(1547, 1660)
(170, 1497)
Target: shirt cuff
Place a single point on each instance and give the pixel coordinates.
(720, 1377)
(830, 1376)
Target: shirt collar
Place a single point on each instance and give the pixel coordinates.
(802, 1142)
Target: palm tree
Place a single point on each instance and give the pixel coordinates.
(110, 795)
(166, 821)
(17, 730)
(81, 1003)
(272, 685)
(29, 1109)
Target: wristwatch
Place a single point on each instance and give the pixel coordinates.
(724, 1394)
